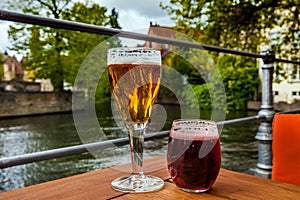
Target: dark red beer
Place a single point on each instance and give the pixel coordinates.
(194, 164)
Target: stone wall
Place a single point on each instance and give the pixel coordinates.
(281, 106)
(25, 103)
(20, 86)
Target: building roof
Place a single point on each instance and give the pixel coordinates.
(18, 65)
(167, 32)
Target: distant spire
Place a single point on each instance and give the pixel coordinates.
(5, 55)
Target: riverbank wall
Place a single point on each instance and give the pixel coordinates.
(281, 106)
(14, 104)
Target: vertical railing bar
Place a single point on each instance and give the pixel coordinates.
(264, 134)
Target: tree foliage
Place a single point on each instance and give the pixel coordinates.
(2, 57)
(57, 53)
(238, 24)
(240, 81)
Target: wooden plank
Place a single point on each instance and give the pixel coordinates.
(75, 187)
(90, 185)
(170, 192)
(229, 185)
(235, 185)
(96, 185)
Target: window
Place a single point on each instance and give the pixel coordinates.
(276, 93)
(10, 67)
(295, 93)
(166, 46)
(296, 40)
(296, 73)
(275, 38)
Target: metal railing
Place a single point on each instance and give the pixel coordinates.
(72, 150)
(265, 115)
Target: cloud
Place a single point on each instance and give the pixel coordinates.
(131, 19)
(134, 15)
(148, 8)
(137, 14)
(4, 25)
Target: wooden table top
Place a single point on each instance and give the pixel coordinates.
(96, 185)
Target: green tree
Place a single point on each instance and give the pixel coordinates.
(80, 44)
(237, 24)
(2, 56)
(56, 53)
(47, 41)
(240, 25)
(240, 80)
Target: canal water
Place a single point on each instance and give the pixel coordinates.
(38, 133)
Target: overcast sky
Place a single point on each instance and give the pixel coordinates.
(137, 14)
(134, 15)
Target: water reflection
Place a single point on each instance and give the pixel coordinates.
(31, 134)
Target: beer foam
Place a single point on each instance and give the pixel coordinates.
(133, 55)
(194, 130)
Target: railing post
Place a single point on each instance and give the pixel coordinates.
(264, 134)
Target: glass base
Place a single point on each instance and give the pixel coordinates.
(195, 191)
(137, 183)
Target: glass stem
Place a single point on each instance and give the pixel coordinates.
(136, 134)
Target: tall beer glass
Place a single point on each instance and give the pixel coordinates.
(134, 75)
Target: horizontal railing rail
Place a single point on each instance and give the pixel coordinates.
(241, 120)
(291, 111)
(82, 27)
(73, 150)
(78, 149)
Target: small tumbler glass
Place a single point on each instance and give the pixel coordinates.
(194, 154)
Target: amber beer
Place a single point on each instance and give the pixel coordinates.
(135, 88)
(134, 75)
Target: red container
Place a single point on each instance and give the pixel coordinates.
(194, 154)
